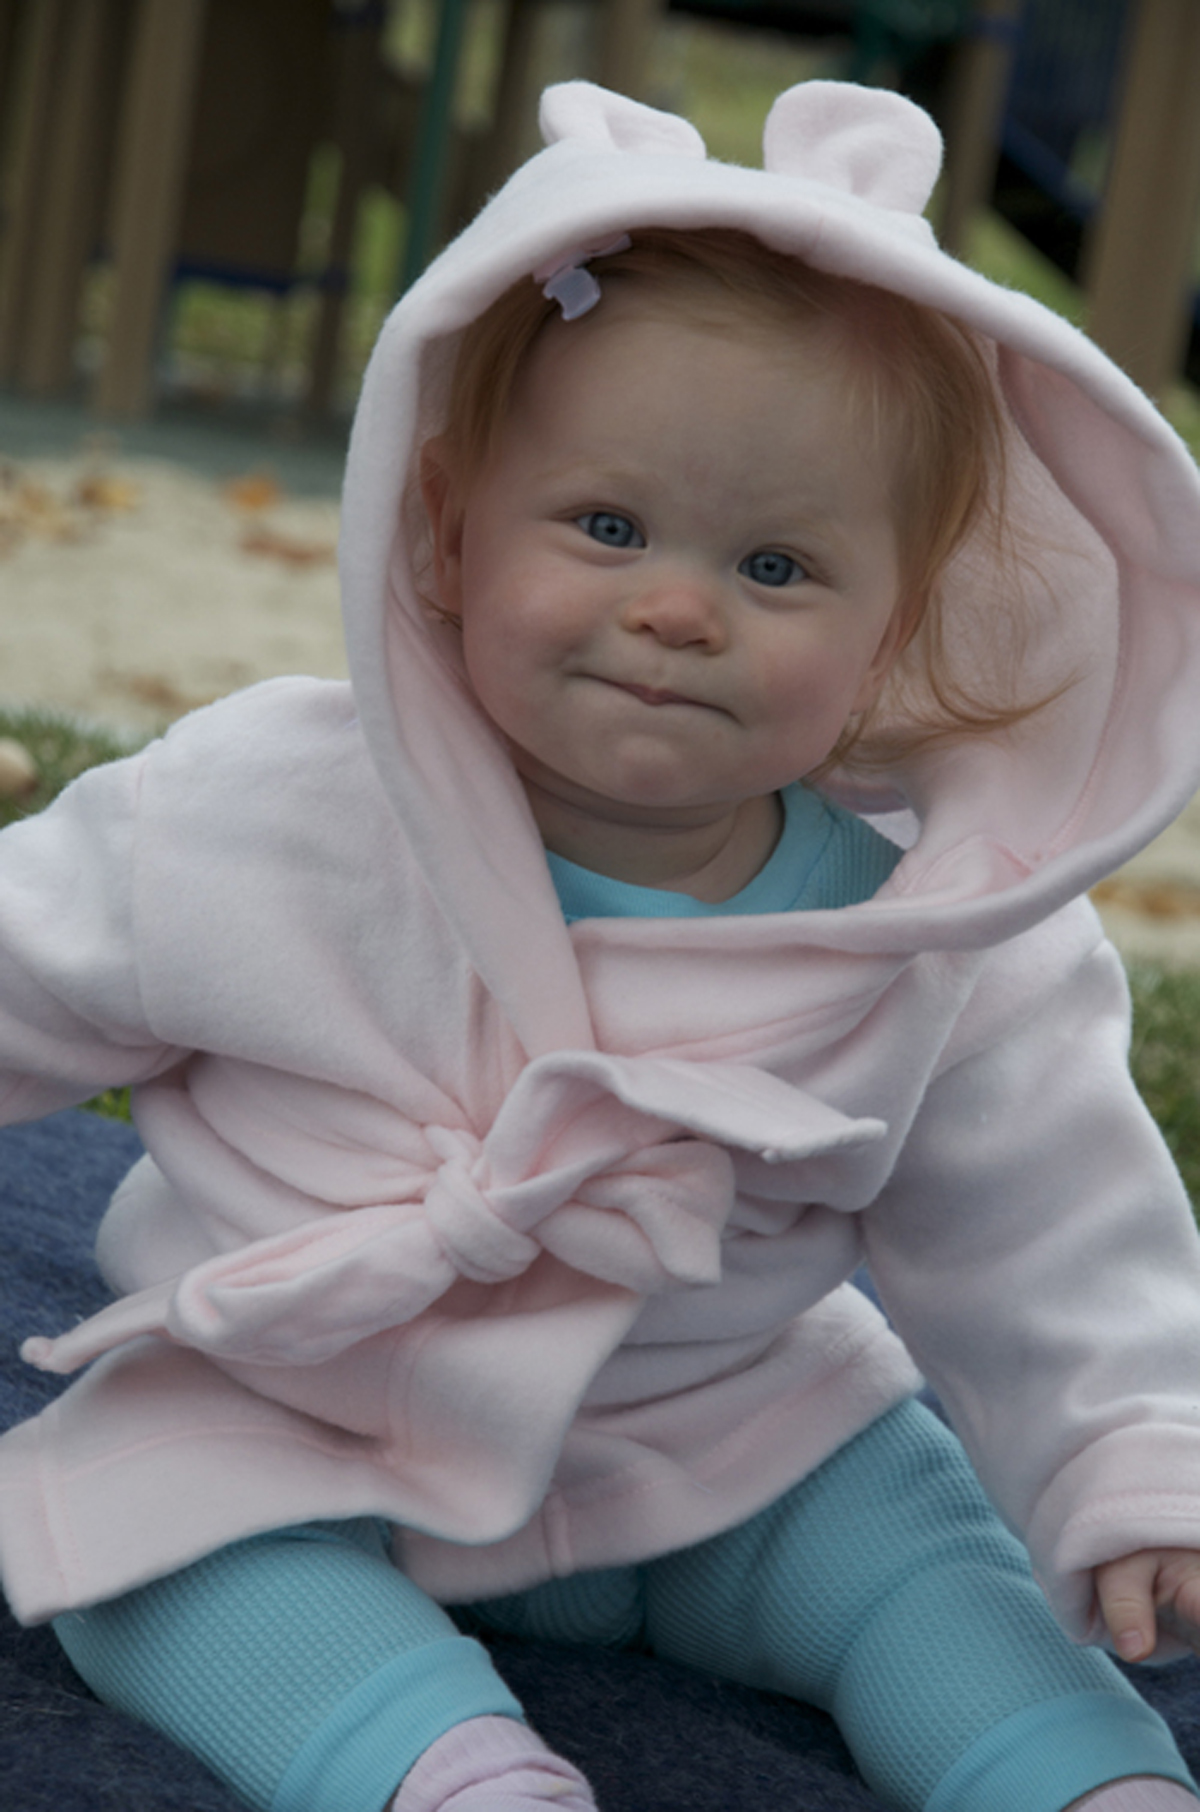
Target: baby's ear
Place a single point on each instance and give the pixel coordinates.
(443, 507)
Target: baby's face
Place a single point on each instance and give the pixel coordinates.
(677, 574)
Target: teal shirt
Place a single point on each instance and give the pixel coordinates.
(825, 857)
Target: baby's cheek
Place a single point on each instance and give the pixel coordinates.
(800, 690)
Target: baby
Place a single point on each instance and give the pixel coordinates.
(763, 631)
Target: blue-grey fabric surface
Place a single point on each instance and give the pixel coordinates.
(650, 1737)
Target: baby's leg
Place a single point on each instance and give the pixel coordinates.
(884, 1589)
(312, 1676)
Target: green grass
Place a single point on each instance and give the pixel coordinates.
(1166, 1039)
(113, 1104)
(61, 749)
(1166, 1060)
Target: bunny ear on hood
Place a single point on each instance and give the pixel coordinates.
(1009, 825)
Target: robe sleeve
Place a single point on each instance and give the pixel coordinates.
(71, 1016)
(1036, 1251)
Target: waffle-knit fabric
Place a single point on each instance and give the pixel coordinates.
(884, 1589)
(310, 1633)
(311, 1675)
(825, 857)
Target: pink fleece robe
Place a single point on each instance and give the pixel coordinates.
(536, 1239)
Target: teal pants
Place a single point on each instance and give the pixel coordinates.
(310, 1674)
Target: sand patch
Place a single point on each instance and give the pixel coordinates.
(133, 592)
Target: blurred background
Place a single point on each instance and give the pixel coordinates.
(216, 201)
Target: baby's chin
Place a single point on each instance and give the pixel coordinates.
(647, 787)
(642, 804)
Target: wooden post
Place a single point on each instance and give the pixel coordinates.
(626, 34)
(10, 12)
(513, 115)
(151, 168)
(1139, 264)
(356, 131)
(980, 70)
(59, 254)
(623, 38)
(36, 57)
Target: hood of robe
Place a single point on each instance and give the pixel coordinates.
(1004, 828)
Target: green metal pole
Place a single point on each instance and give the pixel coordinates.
(433, 142)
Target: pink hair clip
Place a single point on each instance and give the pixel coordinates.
(567, 281)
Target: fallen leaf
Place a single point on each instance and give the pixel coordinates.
(255, 491)
(1152, 899)
(101, 491)
(286, 548)
(153, 689)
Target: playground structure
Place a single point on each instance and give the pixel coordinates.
(174, 138)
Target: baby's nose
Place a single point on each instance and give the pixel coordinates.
(679, 609)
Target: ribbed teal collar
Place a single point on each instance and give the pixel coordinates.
(825, 857)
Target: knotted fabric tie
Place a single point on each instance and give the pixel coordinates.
(618, 1167)
(471, 1234)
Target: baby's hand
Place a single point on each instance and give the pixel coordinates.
(1155, 1587)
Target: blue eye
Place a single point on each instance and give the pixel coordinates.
(771, 568)
(610, 530)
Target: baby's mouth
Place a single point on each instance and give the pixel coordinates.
(649, 695)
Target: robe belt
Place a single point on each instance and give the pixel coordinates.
(620, 1167)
